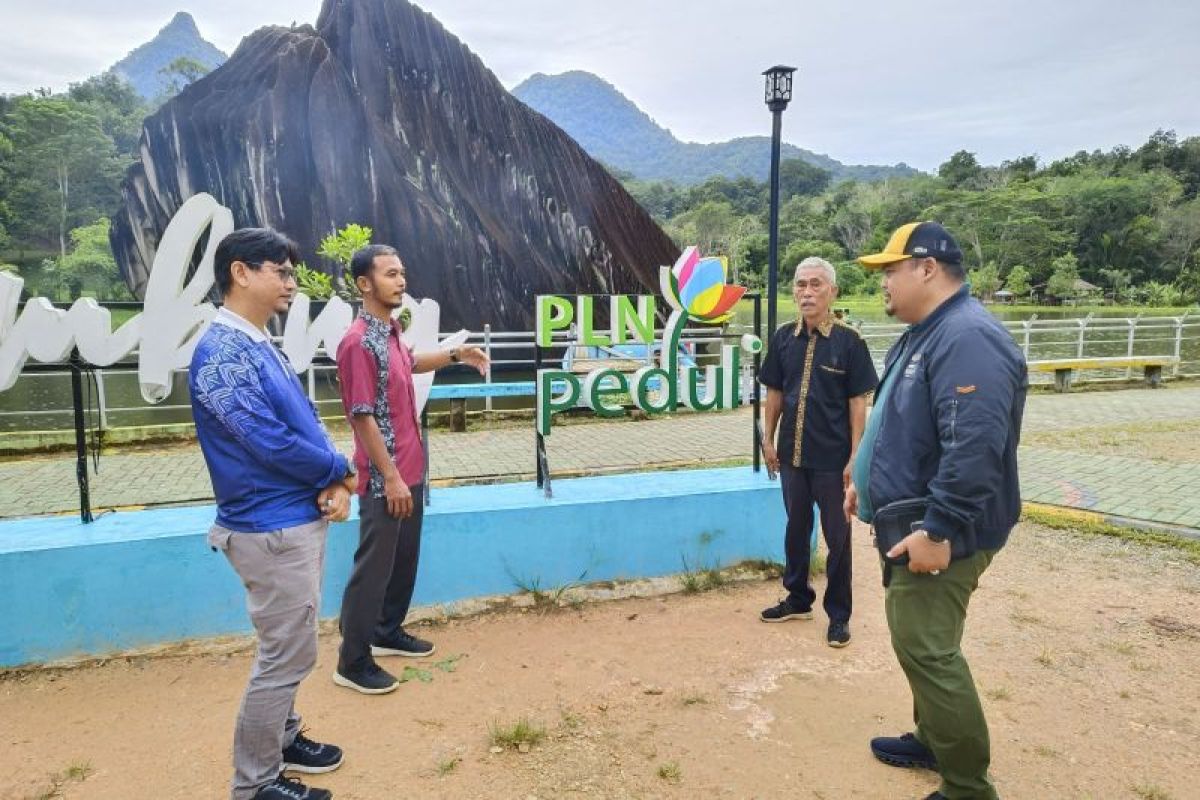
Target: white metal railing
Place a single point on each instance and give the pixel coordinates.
(1038, 338)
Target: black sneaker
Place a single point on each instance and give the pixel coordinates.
(372, 680)
(283, 788)
(402, 644)
(936, 796)
(783, 612)
(903, 751)
(305, 755)
(839, 634)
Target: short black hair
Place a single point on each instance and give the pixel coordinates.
(364, 258)
(252, 246)
(954, 270)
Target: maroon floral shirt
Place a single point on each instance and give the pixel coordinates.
(376, 373)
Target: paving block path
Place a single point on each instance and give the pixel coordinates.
(1127, 487)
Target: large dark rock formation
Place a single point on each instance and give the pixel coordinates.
(382, 117)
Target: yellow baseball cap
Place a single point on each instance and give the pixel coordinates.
(919, 240)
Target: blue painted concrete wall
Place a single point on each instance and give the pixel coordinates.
(133, 579)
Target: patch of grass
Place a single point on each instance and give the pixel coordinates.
(999, 693)
(570, 720)
(694, 699)
(1148, 791)
(513, 735)
(1124, 694)
(771, 570)
(1123, 648)
(417, 674)
(706, 579)
(448, 765)
(1088, 524)
(1044, 658)
(546, 598)
(1046, 752)
(77, 772)
(670, 772)
(449, 663)
(1025, 618)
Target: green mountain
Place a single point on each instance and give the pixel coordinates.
(614, 130)
(180, 39)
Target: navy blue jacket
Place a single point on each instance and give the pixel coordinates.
(952, 423)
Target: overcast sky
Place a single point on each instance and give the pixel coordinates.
(880, 81)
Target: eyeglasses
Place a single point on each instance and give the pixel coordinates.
(285, 274)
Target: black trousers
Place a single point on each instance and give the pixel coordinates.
(802, 488)
(382, 580)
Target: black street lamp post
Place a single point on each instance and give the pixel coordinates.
(778, 95)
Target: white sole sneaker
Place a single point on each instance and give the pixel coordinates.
(376, 650)
(342, 680)
(287, 767)
(796, 615)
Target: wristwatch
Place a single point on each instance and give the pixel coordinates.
(351, 470)
(933, 537)
(454, 355)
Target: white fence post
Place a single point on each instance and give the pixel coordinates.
(487, 376)
(1178, 343)
(1129, 348)
(1083, 323)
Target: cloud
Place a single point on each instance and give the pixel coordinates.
(879, 82)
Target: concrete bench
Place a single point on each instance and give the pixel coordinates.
(1064, 368)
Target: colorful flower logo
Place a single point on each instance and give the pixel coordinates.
(698, 287)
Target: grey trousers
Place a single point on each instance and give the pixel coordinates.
(381, 582)
(281, 571)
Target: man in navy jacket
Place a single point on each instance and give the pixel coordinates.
(278, 482)
(945, 428)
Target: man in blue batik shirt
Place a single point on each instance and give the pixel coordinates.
(279, 482)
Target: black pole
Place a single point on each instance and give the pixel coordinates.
(757, 447)
(773, 232)
(425, 448)
(538, 444)
(81, 467)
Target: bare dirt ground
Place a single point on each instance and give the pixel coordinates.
(1086, 650)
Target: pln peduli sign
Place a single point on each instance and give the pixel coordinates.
(696, 291)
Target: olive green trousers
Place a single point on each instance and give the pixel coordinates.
(926, 614)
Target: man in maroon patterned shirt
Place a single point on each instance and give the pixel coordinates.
(376, 371)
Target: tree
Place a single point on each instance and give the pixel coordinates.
(985, 281)
(64, 171)
(1160, 295)
(118, 106)
(1018, 281)
(90, 267)
(801, 249)
(1118, 280)
(1064, 271)
(798, 177)
(179, 74)
(1181, 233)
(339, 247)
(6, 151)
(961, 170)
